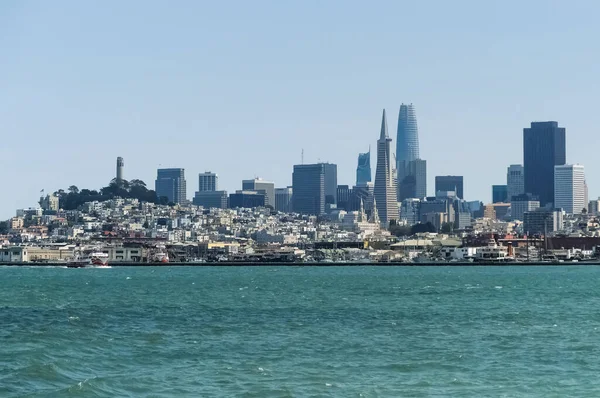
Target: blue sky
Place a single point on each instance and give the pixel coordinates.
(239, 88)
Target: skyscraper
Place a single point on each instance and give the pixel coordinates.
(330, 170)
(412, 177)
(385, 185)
(407, 140)
(500, 194)
(544, 146)
(308, 186)
(261, 186)
(515, 181)
(208, 182)
(569, 188)
(120, 167)
(363, 170)
(283, 199)
(411, 169)
(170, 183)
(450, 183)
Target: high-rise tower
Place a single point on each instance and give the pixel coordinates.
(363, 170)
(385, 185)
(407, 141)
(411, 169)
(120, 167)
(544, 146)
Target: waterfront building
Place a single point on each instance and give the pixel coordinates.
(266, 188)
(570, 188)
(247, 199)
(542, 221)
(515, 181)
(283, 199)
(520, 204)
(170, 183)
(385, 193)
(208, 182)
(544, 146)
(363, 170)
(407, 139)
(211, 199)
(500, 193)
(412, 177)
(308, 185)
(120, 169)
(450, 183)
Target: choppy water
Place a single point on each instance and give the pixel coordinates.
(300, 331)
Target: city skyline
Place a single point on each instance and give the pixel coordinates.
(318, 90)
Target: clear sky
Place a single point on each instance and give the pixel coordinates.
(240, 87)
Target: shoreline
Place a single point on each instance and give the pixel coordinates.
(315, 264)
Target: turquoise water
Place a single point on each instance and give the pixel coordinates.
(300, 332)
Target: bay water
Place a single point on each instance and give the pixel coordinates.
(300, 331)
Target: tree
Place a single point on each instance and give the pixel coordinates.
(399, 230)
(73, 189)
(447, 227)
(4, 227)
(420, 228)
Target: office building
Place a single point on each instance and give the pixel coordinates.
(462, 215)
(247, 199)
(283, 199)
(208, 182)
(343, 197)
(544, 146)
(330, 181)
(170, 183)
(211, 199)
(407, 139)
(594, 207)
(362, 194)
(267, 188)
(363, 170)
(450, 183)
(500, 193)
(412, 177)
(515, 181)
(570, 188)
(520, 204)
(120, 169)
(410, 211)
(432, 205)
(385, 185)
(308, 185)
(542, 221)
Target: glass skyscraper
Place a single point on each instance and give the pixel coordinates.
(313, 186)
(170, 183)
(544, 146)
(363, 170)
(411, 169)
(407, 140)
